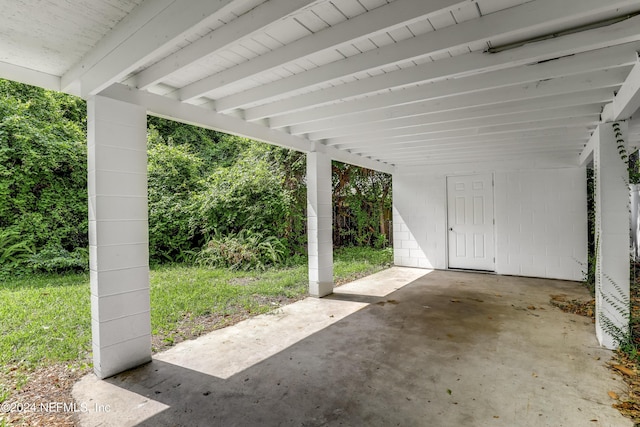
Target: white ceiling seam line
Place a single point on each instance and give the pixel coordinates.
(244, 26)
(509, 21)
(623, 32)
(179, 18)
(377, 20)
(198, 116)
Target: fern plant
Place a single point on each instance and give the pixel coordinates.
(14, 251)
(620, 302)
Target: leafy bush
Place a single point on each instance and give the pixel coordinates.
(248, 195)
(242, 251)
(56, 259)
(43, 172)
(174, 180)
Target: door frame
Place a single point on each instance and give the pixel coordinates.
(494, 230)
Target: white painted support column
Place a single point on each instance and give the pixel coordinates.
(118, 235)
(612, 236)
(319, 224)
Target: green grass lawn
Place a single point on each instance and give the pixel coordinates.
(47, 318)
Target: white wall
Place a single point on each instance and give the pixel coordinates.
(541, 219)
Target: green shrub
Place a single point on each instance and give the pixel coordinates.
(43, 168)
(174, 180)
(244, 250)
(56, 259)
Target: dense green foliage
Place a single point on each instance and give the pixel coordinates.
(43, 173)
(215, 193)
(213, 198)
(362, 206)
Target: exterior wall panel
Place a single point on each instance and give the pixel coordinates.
(540, 214)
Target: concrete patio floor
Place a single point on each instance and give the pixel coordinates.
(404, 347)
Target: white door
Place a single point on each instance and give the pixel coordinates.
(471, 222)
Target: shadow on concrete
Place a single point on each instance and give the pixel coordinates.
(447, 349)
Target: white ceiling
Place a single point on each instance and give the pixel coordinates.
(380, 83)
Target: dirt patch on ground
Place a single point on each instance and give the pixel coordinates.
(44, 399)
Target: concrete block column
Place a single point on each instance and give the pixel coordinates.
(319, 224)
(118, 235)
(612, 234)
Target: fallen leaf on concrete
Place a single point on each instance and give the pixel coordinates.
(624, 370)
(613, 395)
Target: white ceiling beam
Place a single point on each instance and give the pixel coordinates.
(29, 76)
(508, 22)
(126, 28)
(571, 122)
(454, 117)
(555, 134)
(384, 18)
(191, 114)
(505, 119)
(622, 32)
(492, 148)
(586, 155)
(495, 97)
(140, 37)
(377, 119)
(627, 100)
(451, 67)
(579, 138)
(567, 126)
(507, 162)
(484, 156)
(242, 27)
(573, 146)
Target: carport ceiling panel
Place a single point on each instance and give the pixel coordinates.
(380, 78)
(52, 36)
